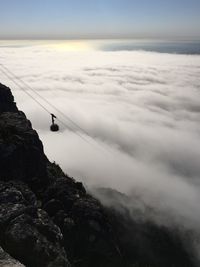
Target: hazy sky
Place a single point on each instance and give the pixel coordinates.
(54, 19)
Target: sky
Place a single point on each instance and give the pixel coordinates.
(68, 19)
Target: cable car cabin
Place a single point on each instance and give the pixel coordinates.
(54, 127)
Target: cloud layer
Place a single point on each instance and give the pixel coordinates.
(142, 109)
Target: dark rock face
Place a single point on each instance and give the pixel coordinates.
(88, 236)
(47, 219)
(26, 231)
(6, 100)
(21, 151)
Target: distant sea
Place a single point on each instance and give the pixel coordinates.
(172, 47)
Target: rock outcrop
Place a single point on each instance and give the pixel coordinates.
(47, 219)
(7, 103)
(7, 261)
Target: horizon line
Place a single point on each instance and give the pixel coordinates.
(103, 38)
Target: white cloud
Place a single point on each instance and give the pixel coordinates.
(142, 107)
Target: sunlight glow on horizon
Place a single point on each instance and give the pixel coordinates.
(73, 46)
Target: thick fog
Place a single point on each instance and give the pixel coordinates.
(142, 110)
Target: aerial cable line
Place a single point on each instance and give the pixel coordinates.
(50, 104)
(4, 70)
(45, 100)
(25, 91)
(63, 123)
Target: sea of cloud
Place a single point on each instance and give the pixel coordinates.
(141, 109)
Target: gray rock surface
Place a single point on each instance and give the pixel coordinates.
(7, 261)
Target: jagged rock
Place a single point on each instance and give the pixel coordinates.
(89, 236)
(7, 103)
(21, 152)
(53, 206)
(26, 231)
(7, 261)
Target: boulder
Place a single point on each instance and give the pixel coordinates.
(26, 231)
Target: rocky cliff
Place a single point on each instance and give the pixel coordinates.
(47, 219)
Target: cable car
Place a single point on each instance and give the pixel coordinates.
(54, 127)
